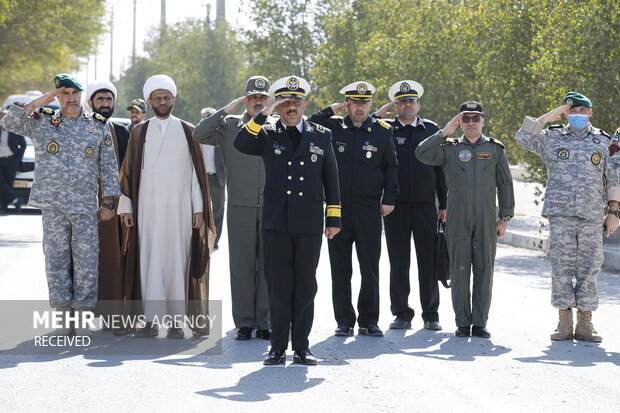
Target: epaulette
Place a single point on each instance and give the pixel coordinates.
(429, 121)
(605, 134)
(497, 141)
(337, 117)
(320, 128)
(451, 140)
(384, 124)
(99, 118)
(555, 127)
(46, 111)
(269, 126)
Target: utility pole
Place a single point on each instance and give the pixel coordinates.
(112, 45)
(208, 6)
(133, 48)
(220, 10)
(163, 16)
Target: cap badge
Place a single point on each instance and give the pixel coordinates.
(471, 105)
(259, 83)
(292, 84)
(361, 88)
(404, 87)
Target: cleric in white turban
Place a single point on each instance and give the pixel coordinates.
(159, 82)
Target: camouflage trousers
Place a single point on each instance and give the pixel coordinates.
(71, 248)
(576, 256)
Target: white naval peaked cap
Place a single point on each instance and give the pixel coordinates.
(159, 82)
(360, 91)
(289, 87)
(98, 85)
(406, 89)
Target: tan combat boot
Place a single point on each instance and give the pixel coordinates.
(584, 329)
(565, 326)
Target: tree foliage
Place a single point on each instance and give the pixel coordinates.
(44, 37)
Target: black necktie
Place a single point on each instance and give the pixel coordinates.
(295, 135)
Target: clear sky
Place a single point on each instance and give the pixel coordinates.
(147, 17)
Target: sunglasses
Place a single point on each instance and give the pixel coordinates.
(467, 119)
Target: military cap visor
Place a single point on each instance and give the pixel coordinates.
(66, 80)
(138, 104)
(577, 99)
(471, 107)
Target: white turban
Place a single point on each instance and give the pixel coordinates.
(159, 82)
(98, 85)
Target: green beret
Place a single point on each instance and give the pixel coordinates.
(66, 80)
(577, 99)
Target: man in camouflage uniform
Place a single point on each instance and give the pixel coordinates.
(580, 179)
(73, 150)
(476, 169)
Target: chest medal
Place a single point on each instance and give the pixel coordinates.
(465, 155)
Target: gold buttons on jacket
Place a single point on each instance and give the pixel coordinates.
(301, 194)
(301, 163)
(290, 163)
(290, 177)
(301, 178)
(288, 192)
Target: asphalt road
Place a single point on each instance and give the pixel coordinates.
(518, 369)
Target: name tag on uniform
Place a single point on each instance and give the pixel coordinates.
(484, 155)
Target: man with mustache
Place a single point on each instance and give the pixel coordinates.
(368, 175)
(415, 212)
(137, 112)
(581, 180)
(245, 178)
(476, 168)
(74, 158)
(101, 97)
(301, 173)
(166, 208)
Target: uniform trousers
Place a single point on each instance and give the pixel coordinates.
(364, 229)
(419, 219)
(250, 298)
(290, 269)
(218, 199)
(576, 256)
(71, 239)
(8, 169)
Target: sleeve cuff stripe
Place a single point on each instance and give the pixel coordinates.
(253, 126)
(333, 213)
(250, 130)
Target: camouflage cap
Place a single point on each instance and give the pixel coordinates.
(138, 104)
(66, 80)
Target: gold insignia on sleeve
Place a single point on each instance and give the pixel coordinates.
(384, 124)
(99, 118)
(333, 211)
(320, 128)
(47, 111)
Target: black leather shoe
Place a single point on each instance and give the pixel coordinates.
(244, 333)
(304, 357)
(400, 324)
(344, 330)
(462, 332)
(275, 357)
(263, 334)
(175, 332)
(432, 325)
(149, 330)
(480, 332)
(372, 330)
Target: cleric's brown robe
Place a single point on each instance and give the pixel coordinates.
(110, 283)
(202, 238)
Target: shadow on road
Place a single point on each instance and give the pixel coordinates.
(574, 354)
(260, 384)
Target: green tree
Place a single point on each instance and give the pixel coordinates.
(44, 37)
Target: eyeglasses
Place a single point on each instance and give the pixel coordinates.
(467, 119)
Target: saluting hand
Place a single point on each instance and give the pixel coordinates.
(385, 109)
(232, 106)
(46, 99)
(555, 114)
(273, 105)
(338, 107)
(451, 126)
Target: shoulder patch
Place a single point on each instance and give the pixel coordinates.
(99, 117)
(602, 132)
(384, 124)
(429, 121)
(320, 128)
(269, 126)
(337, 117)
(450, 140)
(497, 141)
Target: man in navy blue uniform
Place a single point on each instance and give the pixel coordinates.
(301, 173)
(368, 174)
(415, 211)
